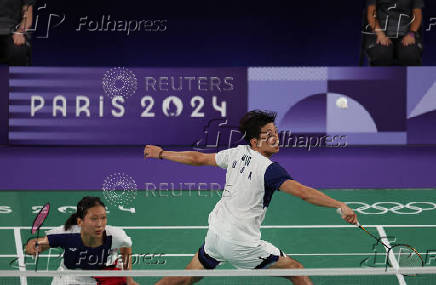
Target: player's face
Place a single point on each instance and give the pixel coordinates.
(94, 223)
(269, 139)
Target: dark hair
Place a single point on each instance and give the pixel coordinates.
(82, 208)
(253, 121)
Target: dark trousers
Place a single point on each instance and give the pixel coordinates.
(395, 54)
(11, 54)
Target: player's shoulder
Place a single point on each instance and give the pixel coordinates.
(275, 170)
(275, 167)
(260, 159)
(114, 231)
(61, 230)
(119, 236)
(262, 162)
(241, 150)
(232, 152)
(238, 148)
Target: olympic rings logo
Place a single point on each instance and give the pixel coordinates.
(381, 208)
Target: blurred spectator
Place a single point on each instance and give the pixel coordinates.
(15, 20)
(396, 26)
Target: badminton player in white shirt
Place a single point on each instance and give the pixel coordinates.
(251, 179)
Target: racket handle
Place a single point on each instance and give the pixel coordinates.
(36, 254)
(339, 212)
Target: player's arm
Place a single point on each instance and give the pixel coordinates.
(370, 16)
(126, 255)
(414, 26)
(26, 22)
(375, 26)
(35, 246)
(186, 157)
(318, 198)
(373, 21)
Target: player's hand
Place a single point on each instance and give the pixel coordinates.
(408, 40)
(383, 40)
(31, 247)
(152, 151)
(348, 215)
(18, 39)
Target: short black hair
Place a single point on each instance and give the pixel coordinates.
(253, 121)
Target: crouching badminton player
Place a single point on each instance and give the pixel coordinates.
(89, 244)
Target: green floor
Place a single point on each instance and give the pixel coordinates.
(314, 236)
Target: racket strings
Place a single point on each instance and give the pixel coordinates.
(407, 256)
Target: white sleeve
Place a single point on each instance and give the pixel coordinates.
(119, 237)
(56, 230)
(222, 158)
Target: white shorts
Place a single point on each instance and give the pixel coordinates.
(216, 250)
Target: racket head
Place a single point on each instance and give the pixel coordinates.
(406, 255)
(40, 218)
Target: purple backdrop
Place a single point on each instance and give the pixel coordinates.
(421, 105)
(4, 86)
(175, 106)
(85, 168)
(376, 97)
(306, 101)
(168, 106)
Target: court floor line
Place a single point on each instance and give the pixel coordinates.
(391, 256)
(20, 254)
(263, 227)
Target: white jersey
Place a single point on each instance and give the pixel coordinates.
(251, 180)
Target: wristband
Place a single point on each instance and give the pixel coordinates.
(413, 34)
(160, 154)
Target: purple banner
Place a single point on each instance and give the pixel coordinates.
(327, 106)
(335, 105)
(421, 105)
(121, 106)
(3, 104)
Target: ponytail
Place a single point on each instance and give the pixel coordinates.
(71, 221)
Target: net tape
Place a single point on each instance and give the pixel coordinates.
(227, 272)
